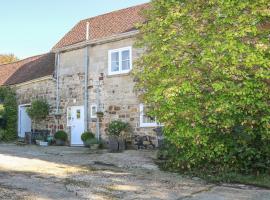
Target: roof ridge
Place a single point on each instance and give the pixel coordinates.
(115, 11)
(24, 59)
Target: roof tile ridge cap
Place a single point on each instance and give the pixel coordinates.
(115, 11)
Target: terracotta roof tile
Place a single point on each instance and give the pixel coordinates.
(106, 25)
(27, 69)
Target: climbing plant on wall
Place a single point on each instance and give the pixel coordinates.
(9, 112)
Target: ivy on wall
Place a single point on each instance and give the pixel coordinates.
(8, 99)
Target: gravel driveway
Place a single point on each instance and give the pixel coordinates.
(49, 173)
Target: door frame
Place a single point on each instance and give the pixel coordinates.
(19, 117)
(71, 125)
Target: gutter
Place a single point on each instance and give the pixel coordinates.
(32, 81)
(97, 41)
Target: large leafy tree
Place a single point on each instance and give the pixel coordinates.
(7, 58)
(206, 74)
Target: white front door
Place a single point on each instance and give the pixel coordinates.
(24, 121)
(77, 125)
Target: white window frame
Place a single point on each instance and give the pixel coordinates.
(142, 124)
(91, 111)
(110, 72)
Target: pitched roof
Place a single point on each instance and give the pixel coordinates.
(105, 25)
(27, 69)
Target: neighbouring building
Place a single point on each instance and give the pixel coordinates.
(87, 71)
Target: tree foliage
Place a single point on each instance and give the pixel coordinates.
(39, 110)
(9, 113)
(7, 58)
(206, 75)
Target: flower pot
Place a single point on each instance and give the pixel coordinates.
(43, 144)
(38, 142)
(121, 144)
(116, 144)
(60, 142)
(86, 144)
(113, 144)
(100, 114)
(94, 146)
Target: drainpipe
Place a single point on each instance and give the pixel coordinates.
(86, 64)
(57, 82)
(57, 88)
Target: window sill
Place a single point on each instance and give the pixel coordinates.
(149, 125)
(120, 74)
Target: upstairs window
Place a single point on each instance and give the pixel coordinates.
(120, 60)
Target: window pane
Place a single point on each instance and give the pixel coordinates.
(147, 118)
(115, 66)
(125, 65)
(78, 114)
(115, 57)
(125, 55)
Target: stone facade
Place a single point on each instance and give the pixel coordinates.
(39, 89)
(114, 93)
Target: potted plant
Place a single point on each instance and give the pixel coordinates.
(100, 114)
(39, 139)
(94, 143)
(60, 138)
(86, 136)
(116, 132)
(38, 110)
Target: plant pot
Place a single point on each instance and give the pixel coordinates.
(94, 146)
(85, 144)
(116, 144)
(100, 114)
(60, 142)
(43, 144)
(113, 144)
(121, 144)
(38, 142)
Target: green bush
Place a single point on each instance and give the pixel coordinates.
(61, 135)
(205, 75)
(117, 127)
(9, 112)
(87, 135)
(2, 134)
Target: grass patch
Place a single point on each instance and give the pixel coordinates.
(262, 180)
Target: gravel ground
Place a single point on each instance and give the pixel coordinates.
(49, 173)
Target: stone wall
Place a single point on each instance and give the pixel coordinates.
(39, 89)
(114, 92)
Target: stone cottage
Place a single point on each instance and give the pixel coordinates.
(32, 78)
(91, 74)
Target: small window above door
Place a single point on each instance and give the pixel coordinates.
(93, 111)
(78, 114)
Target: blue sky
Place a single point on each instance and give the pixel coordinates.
(32, 27)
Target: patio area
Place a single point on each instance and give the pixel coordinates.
(32, 172)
